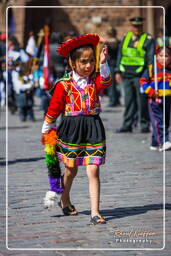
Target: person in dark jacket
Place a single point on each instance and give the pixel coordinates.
(135, 54)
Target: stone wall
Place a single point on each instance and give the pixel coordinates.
(98, 20)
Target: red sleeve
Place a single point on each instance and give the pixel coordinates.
(146, 85)
(102, 83)
(143, 80)
(57, 103)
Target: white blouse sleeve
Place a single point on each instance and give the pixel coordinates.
(104, 70)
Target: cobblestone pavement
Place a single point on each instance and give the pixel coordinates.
(131, 196)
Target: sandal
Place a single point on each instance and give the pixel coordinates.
(68, 210)
(95, 220)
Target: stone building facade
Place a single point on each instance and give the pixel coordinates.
(82, 16)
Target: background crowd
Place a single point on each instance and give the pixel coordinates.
(24, 78)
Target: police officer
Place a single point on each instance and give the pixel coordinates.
(136, 53)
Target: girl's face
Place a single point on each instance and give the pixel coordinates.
(163, 58)
(85, 64)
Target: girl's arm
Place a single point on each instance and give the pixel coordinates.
(146, 85)
(103, 55)
(56, 107)
(103, 79)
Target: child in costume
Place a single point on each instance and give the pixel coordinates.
(159, 92)
(81, 134)
(24, 92)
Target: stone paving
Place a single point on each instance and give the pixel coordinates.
(131, 196)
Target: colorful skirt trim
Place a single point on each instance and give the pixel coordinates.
(81, 141)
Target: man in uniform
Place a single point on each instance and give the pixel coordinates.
(136, 53)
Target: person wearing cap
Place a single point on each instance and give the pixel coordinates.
(136, 53)
(81, 134)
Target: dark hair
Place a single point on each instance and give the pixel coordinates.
(167, 50)
(76, 53)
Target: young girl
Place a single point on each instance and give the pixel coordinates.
(81, 135)
(158, 97)
(24, 91)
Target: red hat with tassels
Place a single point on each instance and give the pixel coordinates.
(76, 42)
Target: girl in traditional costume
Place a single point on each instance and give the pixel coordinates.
(80, 137)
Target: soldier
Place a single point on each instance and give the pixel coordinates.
(136, 53)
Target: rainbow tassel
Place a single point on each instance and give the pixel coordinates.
(50, 149)
(54, 171)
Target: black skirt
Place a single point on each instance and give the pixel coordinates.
(81, 141)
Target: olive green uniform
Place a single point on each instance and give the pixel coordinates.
(133, 57)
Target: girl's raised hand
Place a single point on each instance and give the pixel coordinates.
(104, 54)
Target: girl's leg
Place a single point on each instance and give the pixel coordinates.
(69, 175)
(156, 121)
(94, 190)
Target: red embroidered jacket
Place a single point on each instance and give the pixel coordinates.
(71, 99)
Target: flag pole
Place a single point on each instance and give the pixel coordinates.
(46, 58)
(158, 100)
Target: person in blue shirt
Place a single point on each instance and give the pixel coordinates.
(157, 85)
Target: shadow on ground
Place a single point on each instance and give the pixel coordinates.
(129, 211)
(14, 127)
(24, 160)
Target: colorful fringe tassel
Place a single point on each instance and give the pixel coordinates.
(54, 171)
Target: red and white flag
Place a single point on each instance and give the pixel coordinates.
(46, 61)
